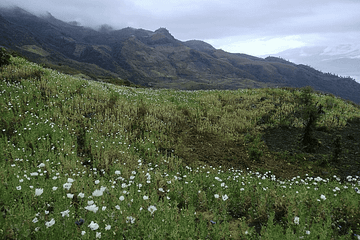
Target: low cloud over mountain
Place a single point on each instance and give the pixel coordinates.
(341, 59)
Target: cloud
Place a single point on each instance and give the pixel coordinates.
(88, 12)
(259, 46)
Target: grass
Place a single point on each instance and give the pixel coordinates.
(35, 49)
(84, 160)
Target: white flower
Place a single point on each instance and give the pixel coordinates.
(69, 195)
(97, 193)
(67, 186)
(224, 197)
(98, 234)
(83, 233)
(97, 182)
(18, 188)
(65, 213)
(117, 172)
(34, 174)
(92, 208)
(323, 197)
(145, 197)
(70, 180)
(216, 195)
(130, 219)
(41, 165)
(107, 227)
(93, 226)
(121, 198)
(103, 208)
(38, 191)
(117, 207)
(296, 220)
(35, 220)
(50, 223)
(54, 188)
(81, 195)
(152, 209)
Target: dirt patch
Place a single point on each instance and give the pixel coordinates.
(200, 148)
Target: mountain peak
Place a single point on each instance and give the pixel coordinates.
(199, 45)
(48, 16)
(164, 32)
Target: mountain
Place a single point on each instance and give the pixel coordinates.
(341, 59)
(154, 58)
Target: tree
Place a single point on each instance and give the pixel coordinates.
(311, 112)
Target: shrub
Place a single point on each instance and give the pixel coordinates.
(254, 147)
(311, 112)
(4, 57)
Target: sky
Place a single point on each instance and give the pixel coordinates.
(254, 27)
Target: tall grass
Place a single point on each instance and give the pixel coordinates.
(84, 160)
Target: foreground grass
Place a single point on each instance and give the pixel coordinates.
(85, 160)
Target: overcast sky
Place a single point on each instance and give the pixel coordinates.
(255, 27)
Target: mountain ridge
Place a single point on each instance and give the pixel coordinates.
(155, 58)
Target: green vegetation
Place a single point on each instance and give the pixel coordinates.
(82, 160)
(4, 57)
(35, 49)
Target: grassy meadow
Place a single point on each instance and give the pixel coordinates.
(82, 159)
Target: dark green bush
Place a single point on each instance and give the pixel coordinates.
(310, 113)
(4, 57)
(254, 147)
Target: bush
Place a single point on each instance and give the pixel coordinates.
(254, 147)
(311, 113)
(4, 57)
